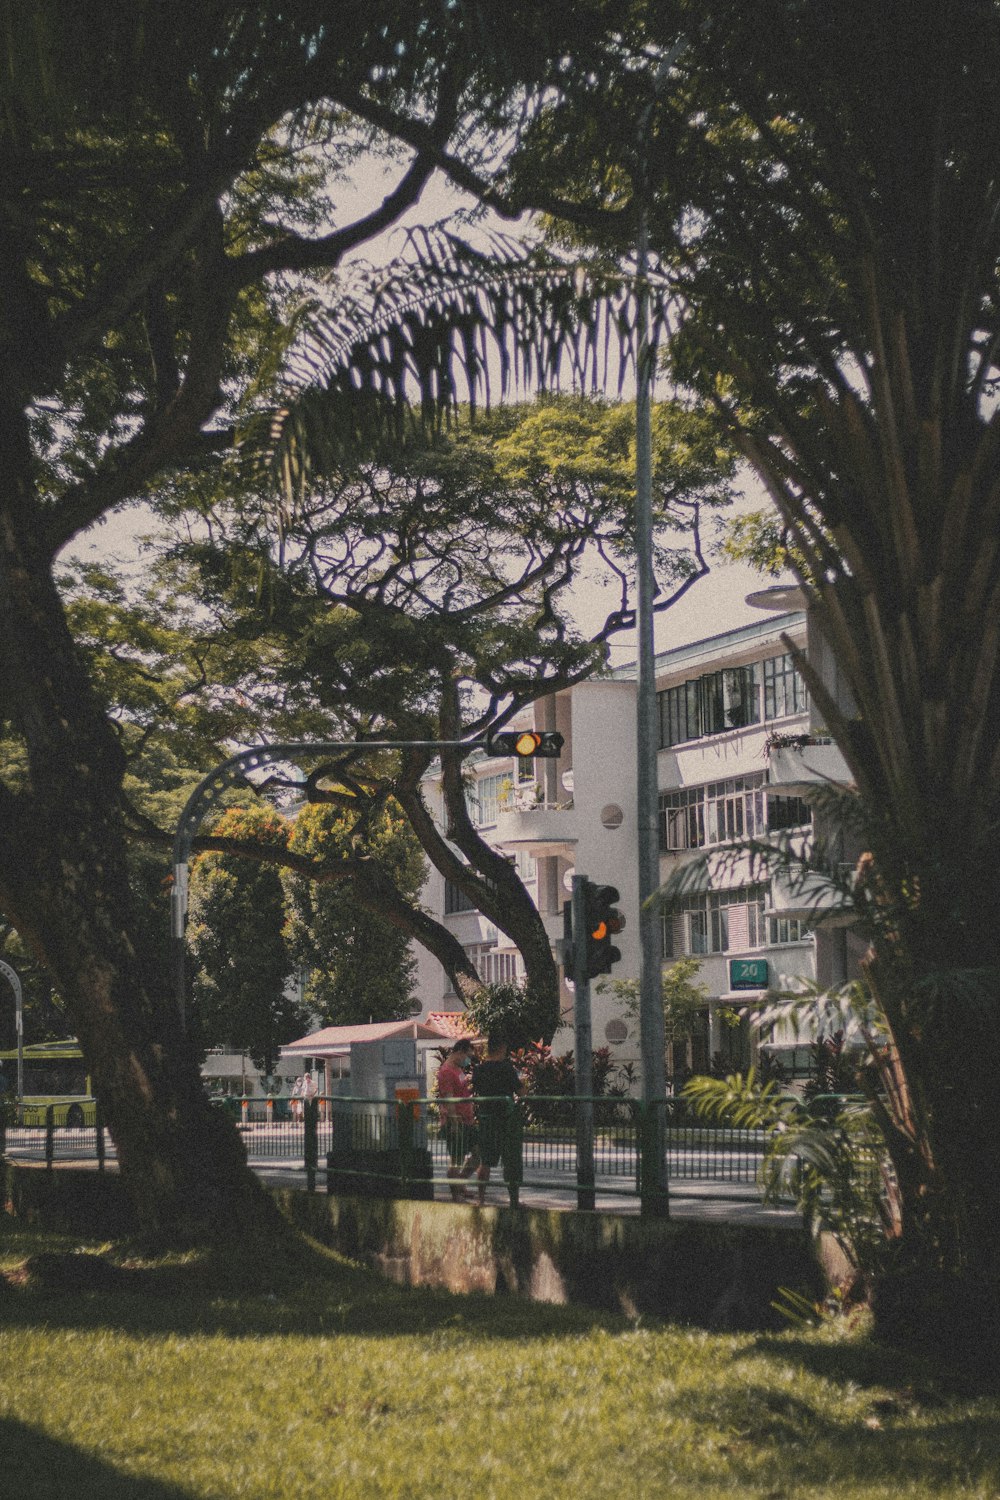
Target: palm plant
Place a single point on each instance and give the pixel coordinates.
(834, 1167)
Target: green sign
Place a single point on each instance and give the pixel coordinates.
(748, 973)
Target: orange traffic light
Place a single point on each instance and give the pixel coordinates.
(544, 744)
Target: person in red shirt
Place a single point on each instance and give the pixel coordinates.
(456, 1113)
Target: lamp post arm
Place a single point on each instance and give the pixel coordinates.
(213, 787)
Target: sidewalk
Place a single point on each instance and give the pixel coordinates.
(729, 1203)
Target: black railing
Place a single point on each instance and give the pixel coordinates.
(399, 1147)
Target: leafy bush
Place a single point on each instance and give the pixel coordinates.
(834, 1070)
(549, 1082)
(514, 1012)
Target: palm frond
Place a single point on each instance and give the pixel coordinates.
(846, 1008)
(447, 322)
(811, 874)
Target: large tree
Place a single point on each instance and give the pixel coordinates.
(430, 593)
(163, 176)
(240, 991)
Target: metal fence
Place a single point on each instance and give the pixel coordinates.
(400, 1147)
(51, 1133)
(371, 1143)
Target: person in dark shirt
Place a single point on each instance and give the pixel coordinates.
(494, 1081)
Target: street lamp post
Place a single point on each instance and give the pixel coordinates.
(651, 1022)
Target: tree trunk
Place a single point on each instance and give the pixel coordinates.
(64, 885)
(488, 879)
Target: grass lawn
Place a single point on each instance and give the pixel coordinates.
(301, 1376)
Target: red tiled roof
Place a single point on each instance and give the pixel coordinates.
(451, 1022)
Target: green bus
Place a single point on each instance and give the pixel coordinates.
(54, 1073)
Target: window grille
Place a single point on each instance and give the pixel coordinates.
(787, 930)
(456, 900)
(484, 800)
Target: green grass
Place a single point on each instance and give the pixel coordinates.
(297, 1375)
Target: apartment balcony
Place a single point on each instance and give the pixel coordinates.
(811, 896)
(795, 768)
(540, 828)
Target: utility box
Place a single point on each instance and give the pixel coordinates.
(384, 1082)
(378, 1068)
(373, 1148)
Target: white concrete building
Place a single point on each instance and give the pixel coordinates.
(722, 702)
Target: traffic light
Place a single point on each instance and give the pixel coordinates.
(604, 922)
(543, 744)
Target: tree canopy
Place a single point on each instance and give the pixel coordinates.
(423, 594)
(241, 992)
(170, 183)
(360, 966)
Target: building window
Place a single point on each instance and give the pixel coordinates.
(680, 718)
(731, 698)
(484, 800)
(784, 691)
(697, 929)
(730, 921)
(786, 930)
(737, 919)
(788, 812)
(726, 921)
(456, 900)
(723, 811)
(682, 818)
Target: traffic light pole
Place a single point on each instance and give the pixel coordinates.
(583, 1048)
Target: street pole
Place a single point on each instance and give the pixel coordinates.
(584, 1050)
(15, 984)
(651, 1024)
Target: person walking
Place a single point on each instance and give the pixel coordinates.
(456, 1113)
(494, 1081)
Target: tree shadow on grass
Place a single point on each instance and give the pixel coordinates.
(288, 1290)
(867, 1362)
(38, 1467)
(893, 1443)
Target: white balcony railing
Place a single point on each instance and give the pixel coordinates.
(537, 826)
(795, 768)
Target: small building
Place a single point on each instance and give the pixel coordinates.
(327, 1053)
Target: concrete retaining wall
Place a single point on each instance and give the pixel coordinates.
(711, 1274)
